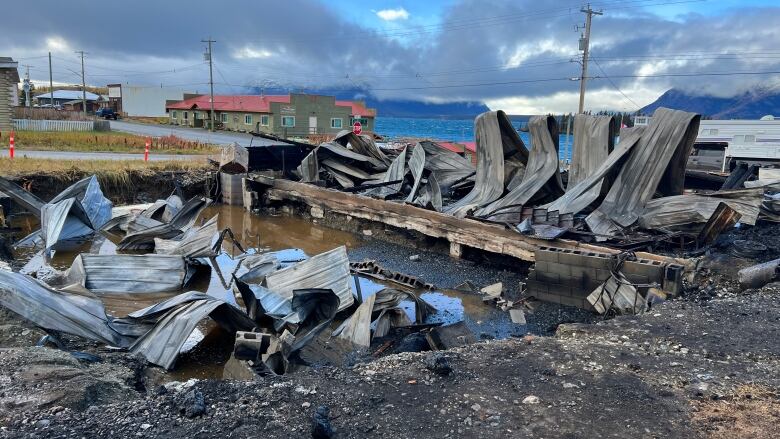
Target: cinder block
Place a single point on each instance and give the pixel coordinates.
(536, 286)
(568, 257)
(532, 274)
(599, 261)
(673, 279)
(638, 278)
(542, 266)
(547, 277)
(652, 270)
(545, 254)
(602, 275)
(562, 270)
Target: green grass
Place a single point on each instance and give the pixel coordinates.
(88, 141)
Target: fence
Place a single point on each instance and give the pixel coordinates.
(46, 114)
(61, 125)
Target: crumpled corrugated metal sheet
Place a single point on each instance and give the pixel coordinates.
(361, 144)
(582, 195)
(309, 168)
(329, 270)
(687, 211)
(25, 199)
(495, 138)
(447, 166)
(594, 140)
(73, 314)
(183, 220)
(196, 242)
(416, 166)
(128, 274)
(396, 171)
(657, 163)
(430, 194)
(163, 210)
(64, 221)
(176, 318)
(541, 179)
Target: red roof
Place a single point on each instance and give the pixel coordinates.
(357, 108)
(254, 104)
(458, 146)
(247, 103)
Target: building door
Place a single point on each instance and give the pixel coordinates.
(312, 124)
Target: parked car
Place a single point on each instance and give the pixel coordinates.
(106, 113)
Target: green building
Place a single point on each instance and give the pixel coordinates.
(293, 115)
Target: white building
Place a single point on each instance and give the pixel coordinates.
(142, 100)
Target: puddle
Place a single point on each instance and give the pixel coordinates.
(292, 239)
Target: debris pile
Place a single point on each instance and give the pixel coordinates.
(282, 312)
(627, 194)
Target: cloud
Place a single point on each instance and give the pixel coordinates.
(508, 53)
(393, 14)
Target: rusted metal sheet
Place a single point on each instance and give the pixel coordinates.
(416, 166)
(594, 140)
(496, 138)
(581, 195)
(541, 179)
(656, 164)
(722, 219)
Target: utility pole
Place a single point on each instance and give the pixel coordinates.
(585, 48)
(26, 86)
(209, 58)
(51, 84)
(83, 85)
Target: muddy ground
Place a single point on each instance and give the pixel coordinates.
(703, 365)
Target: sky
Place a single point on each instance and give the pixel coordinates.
(520, 56)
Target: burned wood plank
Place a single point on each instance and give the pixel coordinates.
(462, 231)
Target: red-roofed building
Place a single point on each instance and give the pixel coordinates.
(291, 115)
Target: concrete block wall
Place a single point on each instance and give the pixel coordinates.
(568, 276)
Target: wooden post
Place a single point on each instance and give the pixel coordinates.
(456, 250)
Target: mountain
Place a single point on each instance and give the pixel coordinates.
(397, 107)
(750, 105)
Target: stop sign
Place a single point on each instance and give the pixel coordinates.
(357, 128)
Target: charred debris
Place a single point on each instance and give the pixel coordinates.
(617, 223)
(284, 313)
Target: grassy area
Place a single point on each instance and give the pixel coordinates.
(92, 141)
(107, 170)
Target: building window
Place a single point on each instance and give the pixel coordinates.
(336, 122)
(248, 119)
(288, 121)
(264, 119)
(224, 117)
(185, 115)
(173, 114)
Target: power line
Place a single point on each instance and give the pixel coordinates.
(638, 107)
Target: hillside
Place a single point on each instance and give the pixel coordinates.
(751, 105)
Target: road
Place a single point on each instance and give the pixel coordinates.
(192, 134)
(77, 155)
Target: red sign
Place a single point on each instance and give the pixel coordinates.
(357, 128)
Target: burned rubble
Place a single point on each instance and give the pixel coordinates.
(616, 236)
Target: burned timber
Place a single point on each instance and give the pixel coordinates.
(356, 342)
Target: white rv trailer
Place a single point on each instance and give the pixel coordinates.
(720, 144)
(752, 141)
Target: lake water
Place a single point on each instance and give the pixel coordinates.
(456, 130)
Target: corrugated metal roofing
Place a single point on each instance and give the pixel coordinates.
(69, 95)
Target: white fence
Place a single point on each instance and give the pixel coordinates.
(60, 125)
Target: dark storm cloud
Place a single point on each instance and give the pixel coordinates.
(306, 43)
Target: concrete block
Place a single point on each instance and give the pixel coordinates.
(547, 277)
(562, 270)
(672, 283)
(546, 254)
(570, 257)
(598, 261)
(652, 270)
(542, 266)
(546, 297)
